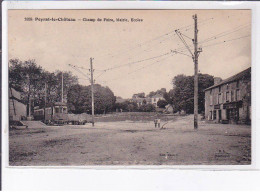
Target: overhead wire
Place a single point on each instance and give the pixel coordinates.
(139, 61)
(156, 38)
(141, 68)
(221, 42)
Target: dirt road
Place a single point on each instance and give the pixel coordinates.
(131, 143)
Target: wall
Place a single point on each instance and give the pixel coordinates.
(20, 109)
(243, 91)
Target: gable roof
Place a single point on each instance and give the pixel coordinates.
(242, 74)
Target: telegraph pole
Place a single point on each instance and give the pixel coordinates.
(92, 90)
(195, 59)
(61, 86)
(45, 100)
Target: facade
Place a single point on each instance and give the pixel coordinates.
(156, 98)
(148, 100)
(139, 101)
(17, 110)
(229, 101)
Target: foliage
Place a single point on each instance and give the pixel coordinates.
(139, 95)
(182, 94)
(162, 91)
(30, 79)
(79, 99)
(128, 106)
(162, 103)
(146, 108)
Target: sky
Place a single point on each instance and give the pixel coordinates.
(132, 57)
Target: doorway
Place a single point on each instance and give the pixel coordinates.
(219, 115)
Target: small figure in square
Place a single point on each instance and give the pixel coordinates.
(155, 123)
(158, 123)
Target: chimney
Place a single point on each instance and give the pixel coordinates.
(217, 80)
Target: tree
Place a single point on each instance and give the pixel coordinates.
(30, 79)
(182, 94)
(162, 103)
(79, 99)
(26, 77)
(146, 108)
(139, 95)
(162, 91)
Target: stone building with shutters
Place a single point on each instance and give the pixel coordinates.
(229, 100)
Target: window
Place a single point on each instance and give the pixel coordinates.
(64, 110)
(56, 110)
(232, 96)
(211, 100)
(237, 94)
(237, 84)
(219, 89)
(219, 98)
(227, 96)
(227, 86)
(214, 115)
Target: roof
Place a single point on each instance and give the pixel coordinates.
(157, 96)
(233, 78)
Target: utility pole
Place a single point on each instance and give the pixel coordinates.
(195, 57)
(196, 82)
(92, 90)
(45, 100)
(61, 86)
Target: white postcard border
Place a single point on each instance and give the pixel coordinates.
(57, 177)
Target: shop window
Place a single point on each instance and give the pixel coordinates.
(214, 115)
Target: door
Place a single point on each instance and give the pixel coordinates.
(219, 115)
(228, 114)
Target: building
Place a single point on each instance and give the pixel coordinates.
(229, 101)
(169, 108)
(156, 98)
(139, 101)
(17, 109)
(147, 100)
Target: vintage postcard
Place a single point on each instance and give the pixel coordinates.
(129, 87)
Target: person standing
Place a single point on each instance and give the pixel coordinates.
(159, 123)
(155, 122)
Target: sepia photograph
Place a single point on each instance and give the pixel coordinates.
(129, 87)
